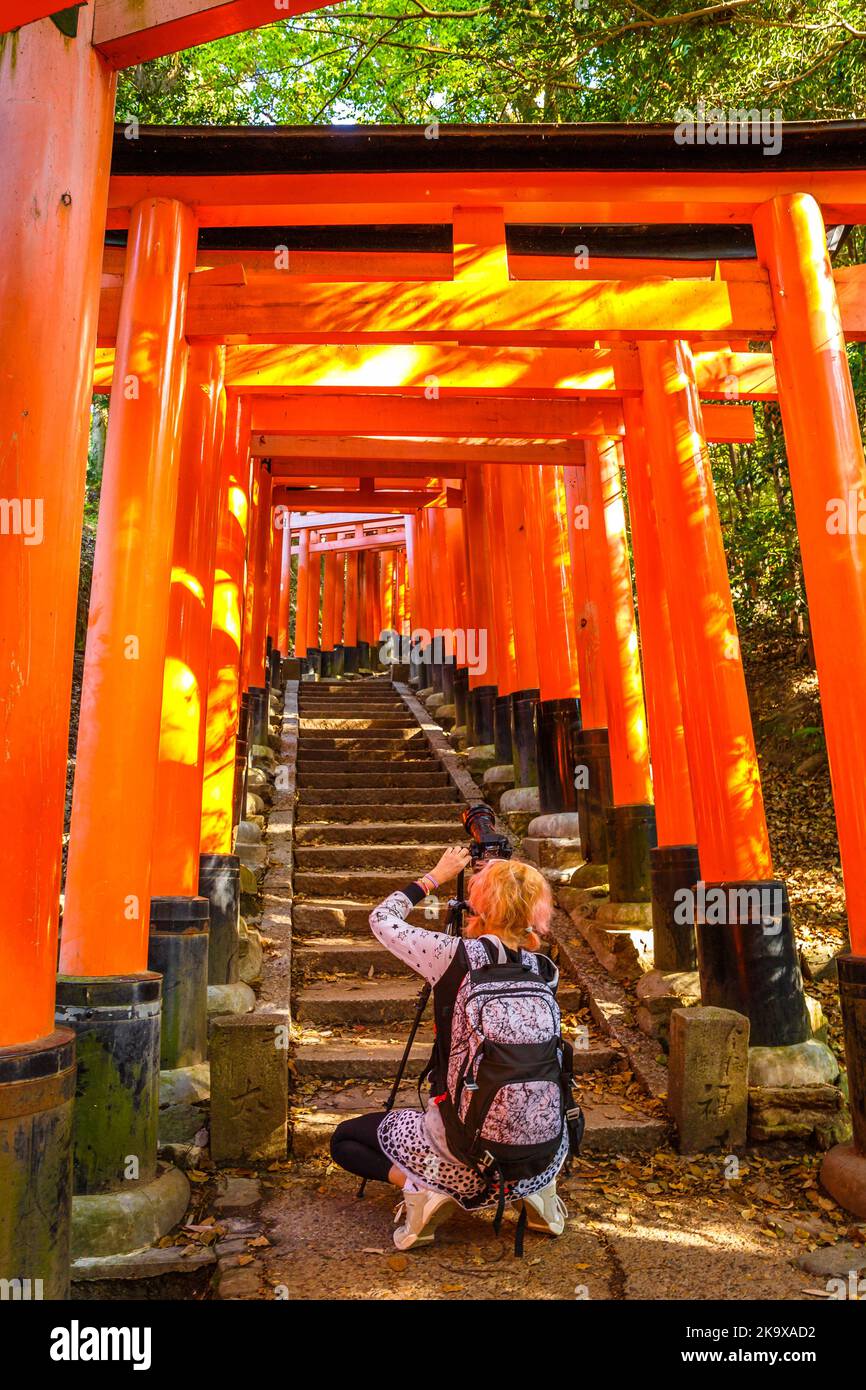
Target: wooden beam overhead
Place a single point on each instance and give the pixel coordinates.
(400, 502)
(513, 313)
(127, 32)
(479, 416)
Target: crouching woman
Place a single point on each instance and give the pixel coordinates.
(511, 907)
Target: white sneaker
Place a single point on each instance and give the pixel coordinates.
(545, 1211)
(422, 1212)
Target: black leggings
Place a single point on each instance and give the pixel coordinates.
(355, 1147)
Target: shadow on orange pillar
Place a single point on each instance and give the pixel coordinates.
(675, 819)
(255, 519)
(502, 631)
(828, 481)
(105, 927)
(180, 771)
(481, 598)
(261, 595)
(302, 591)
(56, 127)
(285, 584)
(611, 575)
(593, 706)
(725, 781)
(525, 696)
(227, 625)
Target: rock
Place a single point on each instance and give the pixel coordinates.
(519, 807)
(708, 1078)
(560, 825)
(810, 765)
(255, 805)
(817, 1018)
(237, 1194)
(247, 834)
(838, 1260)
(434, 701)
(239, 1282)
(811, 1113)
(659, 993)
(185, 1085)
(479, 758)
(799, 1064)
(249, 1088)
(251, 956)
(445, 715)
(252, 857)
(549, 853)
(145, 1264)
(236, 998)
(495, 782)
(843, 1175)
(248, 881)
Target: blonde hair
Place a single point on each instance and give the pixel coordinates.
(511, 900)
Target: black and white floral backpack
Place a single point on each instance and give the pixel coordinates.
(500, 1070)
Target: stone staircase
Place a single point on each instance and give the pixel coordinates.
(375, 809)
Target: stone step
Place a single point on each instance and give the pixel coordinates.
(397, 797)
(410, 741)
(339, 1059)
(609, 1128)
(357, 1001)
(340, 816)
(377, 1059)
(402, 752)
(350, 762)
(360, 724)
(408, 859)
(351, 883)
(342, 916)
(348, 955)
(327, 1003)
(389, 776)
(375, 833)
(338, 708)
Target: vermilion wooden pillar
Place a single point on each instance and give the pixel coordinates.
(630, 822)
(105, 924)
(262, 585)
(56, 126)
(749, 960)
(350, 632)
(484, 696)
(524, 697)
(828, 482)
(328, 590)
(250, 572)
(402, 592)
(557, 715)
(593, 708)
(302, 588)
(285, 585)
(339, 602)
(227, 626)
(507, 679)
(674, 864)
(56, 114)
(180, 770)
(275, 570)
(313, 596)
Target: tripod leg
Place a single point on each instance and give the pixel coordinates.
(420, 1007)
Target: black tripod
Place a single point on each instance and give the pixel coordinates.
(453, 927)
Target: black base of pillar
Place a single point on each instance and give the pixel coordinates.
(338, 664)
(350, 660)
(461, 698)
(437, 678)
(291, 668)
(448, 669)
(314, 662)
(219, 880)
(747, 957)
(364, 656)
(852, 996)
(482, 716)
(555, 724)
(37, 1087)
(631, 834)
(259, 728)
(326, 664)
(524, 753)
(674, 871)
(239, 793)
(178, 950)
(502, 730)
(594, 791)
(116, 1024)
(276, 668)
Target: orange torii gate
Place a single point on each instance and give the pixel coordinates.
(517, 330)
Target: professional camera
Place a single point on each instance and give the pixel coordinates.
(479, 821)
